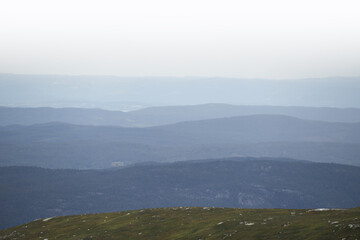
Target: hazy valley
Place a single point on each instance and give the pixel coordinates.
(177, 120)
(68, 161)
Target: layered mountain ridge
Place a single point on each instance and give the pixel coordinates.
(63, 145)
(155, 116)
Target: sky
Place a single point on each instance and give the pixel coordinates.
(276, 39)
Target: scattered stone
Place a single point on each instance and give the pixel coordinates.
(249, 224)
(47, 219)
(353, 226)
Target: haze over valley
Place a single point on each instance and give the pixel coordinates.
(65, 157)
(179, 119)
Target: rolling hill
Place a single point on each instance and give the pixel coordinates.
(155, 116)
(254, 128)
(60, 145)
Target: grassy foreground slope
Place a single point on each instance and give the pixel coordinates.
(196, 223)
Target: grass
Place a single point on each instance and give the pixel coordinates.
(195, 223)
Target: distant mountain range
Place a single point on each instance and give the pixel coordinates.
(156, 116)
(243, 129)
(98, 91)
(30, 193)
(59, 145)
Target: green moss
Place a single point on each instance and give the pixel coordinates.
(195, 223)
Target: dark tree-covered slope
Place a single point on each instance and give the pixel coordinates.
(29, 193)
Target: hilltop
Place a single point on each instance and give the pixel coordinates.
(196, 223)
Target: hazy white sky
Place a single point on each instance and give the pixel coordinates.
(249, 38)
